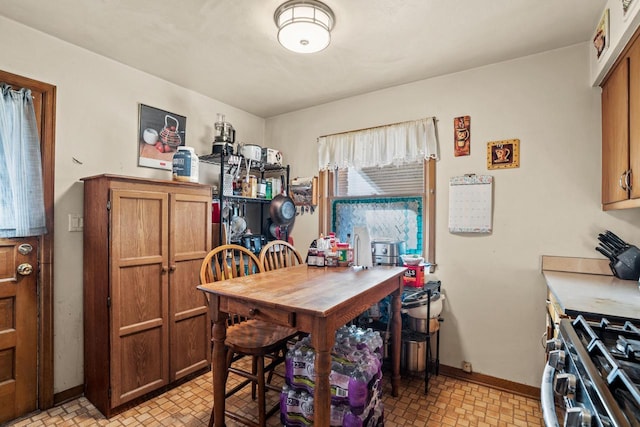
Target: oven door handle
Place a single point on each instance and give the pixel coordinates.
(547, 401)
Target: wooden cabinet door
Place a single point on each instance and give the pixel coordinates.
(615, 134)
(139, 293)
(634, 117)
(18, 327)
(189, 243)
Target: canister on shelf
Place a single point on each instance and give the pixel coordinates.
(413, 276)
(253, 181)
(262, 189)
(246, 188)
(269, 190)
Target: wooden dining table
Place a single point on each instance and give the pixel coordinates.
(316, 300)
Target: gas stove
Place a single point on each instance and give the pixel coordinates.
(592, 377)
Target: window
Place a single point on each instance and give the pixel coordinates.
(394, 202)
(382, 177)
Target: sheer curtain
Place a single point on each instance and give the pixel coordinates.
(396, 144)
(21, 195)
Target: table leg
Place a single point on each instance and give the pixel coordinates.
(322, 340)
(396, 336)
(219, 333)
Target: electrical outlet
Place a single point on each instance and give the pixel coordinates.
(466, 367)
(76, 222)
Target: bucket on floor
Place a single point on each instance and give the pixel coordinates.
(413, 355)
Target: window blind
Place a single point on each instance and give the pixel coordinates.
(384, 181)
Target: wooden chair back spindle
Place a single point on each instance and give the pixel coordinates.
(279, 254)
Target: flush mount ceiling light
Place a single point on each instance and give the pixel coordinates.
(304, 26)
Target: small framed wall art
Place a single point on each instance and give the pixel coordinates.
(160, 133)
(462, 136)
(503, 154)
(601, 37)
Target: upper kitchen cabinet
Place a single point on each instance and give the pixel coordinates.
(621, 131)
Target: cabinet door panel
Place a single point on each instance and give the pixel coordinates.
(139, 293)
(142, 369)
(192, 351)
(615, 134)
(190, 240)
(634, 117)
(140, 288)
(190, 216)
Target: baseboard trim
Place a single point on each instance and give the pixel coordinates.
(493, 382)
(67, 395)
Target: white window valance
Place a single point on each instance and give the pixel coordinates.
(395, 144)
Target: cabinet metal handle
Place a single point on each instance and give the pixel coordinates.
(622, 181)
(629, 180)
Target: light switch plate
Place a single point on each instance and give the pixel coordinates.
(76, 222)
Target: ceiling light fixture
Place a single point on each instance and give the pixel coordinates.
(304, 26)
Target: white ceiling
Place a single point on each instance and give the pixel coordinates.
(227, 49)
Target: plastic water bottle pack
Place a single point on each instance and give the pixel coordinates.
(355, 380)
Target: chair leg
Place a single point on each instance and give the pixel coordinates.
(277, 354)
(229, 361)
(254, 370)
(262, 401)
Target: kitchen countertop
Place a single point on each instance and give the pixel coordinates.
(600, 294)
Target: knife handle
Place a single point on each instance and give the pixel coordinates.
(605, 253)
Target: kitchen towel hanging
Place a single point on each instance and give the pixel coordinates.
(470, 204)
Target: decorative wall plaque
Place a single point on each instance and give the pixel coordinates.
(503, 154)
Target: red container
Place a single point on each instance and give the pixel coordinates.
(215, 211)
(414, 276)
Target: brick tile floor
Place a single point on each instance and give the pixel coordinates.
(450, 402)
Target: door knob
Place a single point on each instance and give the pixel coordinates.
(25, 269)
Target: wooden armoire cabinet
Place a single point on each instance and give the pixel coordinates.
(145, 323)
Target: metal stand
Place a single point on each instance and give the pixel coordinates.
(432, 356)
(431, 364)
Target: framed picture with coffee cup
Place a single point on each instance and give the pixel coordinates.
(503, 154)
(160, 133)
(462, 136)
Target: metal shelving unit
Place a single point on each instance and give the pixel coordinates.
(264, 170)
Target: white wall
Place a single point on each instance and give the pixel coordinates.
(550, 205)
(97, 124)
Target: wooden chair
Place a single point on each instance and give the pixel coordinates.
(247, 337)
(279, 254)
